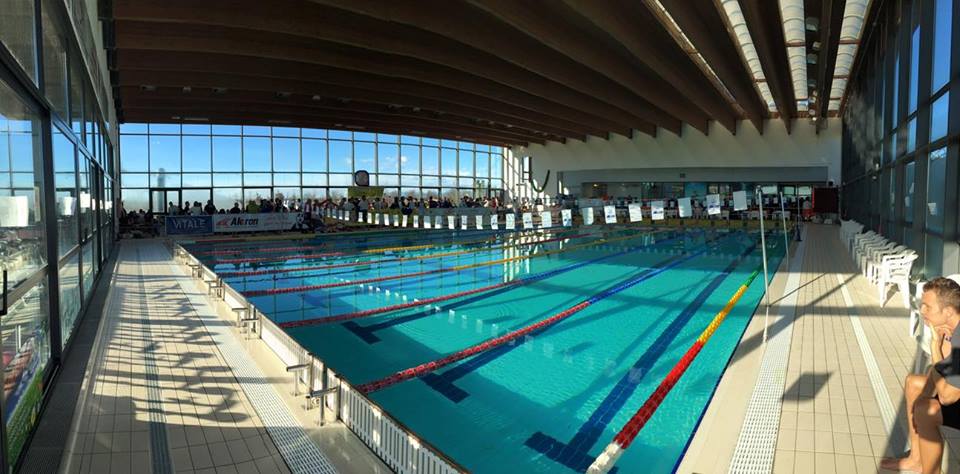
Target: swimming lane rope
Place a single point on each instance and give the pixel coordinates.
(520, 281)
(428, 367)
(270, 271)
(364, 252)
(300, 289)
(629, 432)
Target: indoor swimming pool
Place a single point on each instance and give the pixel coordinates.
(622, 305)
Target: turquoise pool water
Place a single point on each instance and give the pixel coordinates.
(551, 401)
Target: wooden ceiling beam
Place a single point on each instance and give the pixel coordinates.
(293, 25)
(289, 77)
(272, 115)
(703, 24)
(222, 40)
(566, 31)
(640, 34)
(831, 21)
(162, 116)
(766, 29)
(304, 105)
(461, 29)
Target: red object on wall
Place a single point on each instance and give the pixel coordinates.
(825, 200)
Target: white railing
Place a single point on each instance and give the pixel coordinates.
(395, 444)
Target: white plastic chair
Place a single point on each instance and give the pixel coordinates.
(857, 238)
(871, 252)
(895, 270)
(875, 259)
(863, 246)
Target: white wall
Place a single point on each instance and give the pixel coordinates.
(747, 156)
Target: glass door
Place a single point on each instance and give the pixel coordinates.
(162, 198)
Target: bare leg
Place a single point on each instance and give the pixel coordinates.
(928, 418)
(913, 386)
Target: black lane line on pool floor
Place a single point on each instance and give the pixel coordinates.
(575, 454)
(366, 333)
(443, 383)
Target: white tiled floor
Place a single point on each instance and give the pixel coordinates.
(155, 357)
(831, 420)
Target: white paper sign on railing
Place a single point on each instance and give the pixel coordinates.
(713, 204)
(527, 220)
(403, 222)
(437, 222)
(566, 216)
(479, 221)
(464, 222)
(656, 210)
(493, 222)
(416, 221)
(546, 220)
(369, 217)
(451, 222)
(587, 213)
(376, 219)
(396, 220)
(739, 200)
(511, 221)
(636, 212)
(684, 207)
(610, 214)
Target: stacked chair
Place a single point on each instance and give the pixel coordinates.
(882, 262)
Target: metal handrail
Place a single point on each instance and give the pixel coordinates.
(344, 381)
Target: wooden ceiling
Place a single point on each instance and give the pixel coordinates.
(502, 72)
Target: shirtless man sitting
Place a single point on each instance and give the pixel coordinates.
(932, 397)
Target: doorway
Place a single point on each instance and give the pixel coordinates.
(161, 197)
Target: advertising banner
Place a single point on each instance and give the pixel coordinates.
(713, 204)
(685, 209)
(479, 221)
(610, 214)
(511, 221)
(656, 210)
(739, 200)
(566, 216)
(368, 191)
(189, 225)
(464, 222)
(493, 222)
(256, 222)
(527, 220)
(636, 212)
(546, 220)
(587, 215)
(451, 222)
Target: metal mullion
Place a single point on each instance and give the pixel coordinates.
(48, 188)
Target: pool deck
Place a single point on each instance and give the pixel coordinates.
(823, 394)
(837, 378)
(170, 388)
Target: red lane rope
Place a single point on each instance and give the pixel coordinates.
(428, 367)
(391, 260)
(468, 352)
(631, 429)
